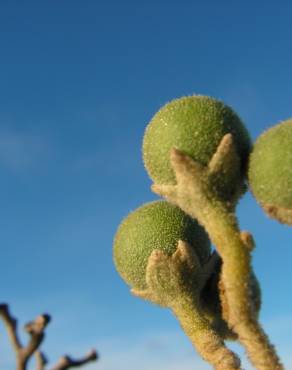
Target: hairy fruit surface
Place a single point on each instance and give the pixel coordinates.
(155, 225)
(270, 171)
(195, 125)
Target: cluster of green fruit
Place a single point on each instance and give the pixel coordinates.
(195, 125)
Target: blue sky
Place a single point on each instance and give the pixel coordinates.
(79, 82)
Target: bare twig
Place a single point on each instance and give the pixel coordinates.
(35, 329)
(67, 362)
(41, 360)
(11, 326)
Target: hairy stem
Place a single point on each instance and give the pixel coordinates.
(196, 194)
(223, 230)
(175, 282)
(207, 342)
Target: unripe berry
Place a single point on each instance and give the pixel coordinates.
(270, 171)
(195, 125)
(155, 225)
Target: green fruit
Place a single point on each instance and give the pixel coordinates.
(270, 171)
(195, 125)
(155, 225)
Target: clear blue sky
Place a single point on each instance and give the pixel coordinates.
(79, 81)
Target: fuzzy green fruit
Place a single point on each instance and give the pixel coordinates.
(155, 225)
(270, 171)
(195, 125)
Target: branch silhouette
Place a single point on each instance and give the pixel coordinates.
(36, 331)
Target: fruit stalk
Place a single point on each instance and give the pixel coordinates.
(206, 341)
(224, 233)
(194, 194)
(175, 282)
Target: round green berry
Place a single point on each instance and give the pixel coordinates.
(155, 225)
(195, 125)
(270, 171)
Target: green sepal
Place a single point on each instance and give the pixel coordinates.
(170, 277)
(202, 185)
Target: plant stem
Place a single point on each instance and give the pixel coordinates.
(207, 342)
(196, 194)
(223, 230)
